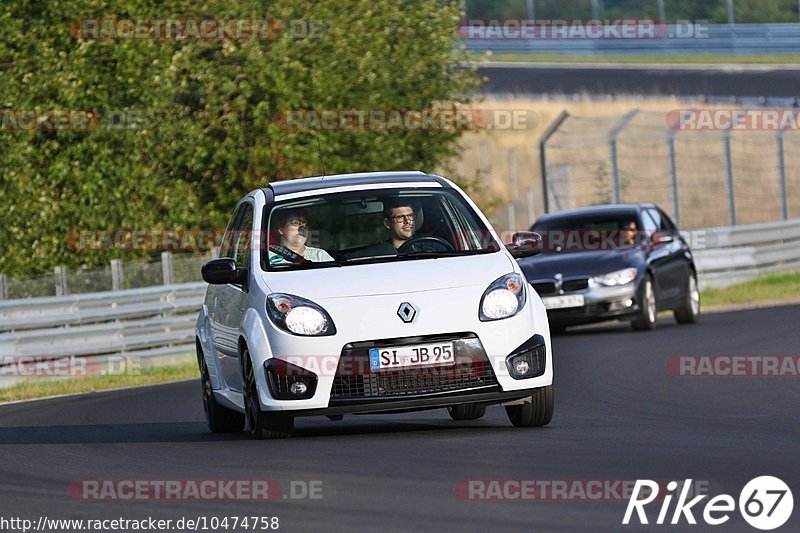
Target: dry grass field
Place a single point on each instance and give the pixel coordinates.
(578, 158)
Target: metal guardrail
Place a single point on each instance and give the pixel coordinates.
(740, 253)
(783, 38)
(155, 325)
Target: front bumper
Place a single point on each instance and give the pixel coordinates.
(355, 387)
(600, 304)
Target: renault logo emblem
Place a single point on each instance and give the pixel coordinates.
(406, 312)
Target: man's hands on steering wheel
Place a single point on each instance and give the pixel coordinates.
(425, 244)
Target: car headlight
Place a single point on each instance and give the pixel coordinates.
(299, 316)
(619, 277)
(504, 298)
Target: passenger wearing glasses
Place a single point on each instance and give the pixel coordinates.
(292, 227)
(399, 220)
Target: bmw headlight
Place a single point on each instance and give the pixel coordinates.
(299, 316)
(504, 298)
(619, 277)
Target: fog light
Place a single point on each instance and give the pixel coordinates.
(627, 303)
(528, 360)
(298, 388)
(521, 366)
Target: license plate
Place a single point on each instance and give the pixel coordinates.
(438, 354)
(563, 302)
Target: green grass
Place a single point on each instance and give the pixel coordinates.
(39, 389)
(773, 287)
(666, 60)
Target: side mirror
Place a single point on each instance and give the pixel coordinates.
(223, 271)
(661, 238)
(525, 244)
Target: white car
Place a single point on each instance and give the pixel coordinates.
(368, 293)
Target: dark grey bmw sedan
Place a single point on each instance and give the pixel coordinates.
(612, 262)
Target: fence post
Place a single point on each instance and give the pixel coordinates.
(673, 178)
(60, 273)
(729, 174)
(612, 144)
(782, 176)
(117, 275)
(531, 212)
(167, 272)
(512, 170)
(485, 163)
(215, 252)
(512, 216)
(3, 287)
(551, 129)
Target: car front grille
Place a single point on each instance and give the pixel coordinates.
(354, 378)
(547, 288)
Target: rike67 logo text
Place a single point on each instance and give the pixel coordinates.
(765, 503)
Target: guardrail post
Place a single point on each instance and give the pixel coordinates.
(673, 178)
(612, 144)
(166, 268)
(782, 176)
(729, 174)
(512, 170)
(551, 129)
(3, 287)
(60, 273)
(117, 275)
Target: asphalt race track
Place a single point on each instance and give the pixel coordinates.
(619, 416)
(660, 81)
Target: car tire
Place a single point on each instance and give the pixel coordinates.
(466, 411)
(536, 411)
(646, 317)
(260, 424)
(219, 419)
(689, 312)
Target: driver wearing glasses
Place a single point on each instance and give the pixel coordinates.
(399, 220)
(292, 227)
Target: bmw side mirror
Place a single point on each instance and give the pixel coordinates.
(223, 271)
(525, 244)
(661, 238)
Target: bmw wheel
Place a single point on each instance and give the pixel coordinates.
(646, 318)
(689, 312)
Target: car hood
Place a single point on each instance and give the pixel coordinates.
(397, 277)
(573, 264)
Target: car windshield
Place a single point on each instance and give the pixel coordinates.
(589, 232)
(334, 230)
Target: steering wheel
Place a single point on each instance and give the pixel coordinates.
(425, 243)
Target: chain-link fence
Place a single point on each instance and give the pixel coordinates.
(117, 275)
(703, 178)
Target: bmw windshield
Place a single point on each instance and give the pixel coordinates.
(372, 226)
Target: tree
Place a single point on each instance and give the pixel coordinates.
(205, 130)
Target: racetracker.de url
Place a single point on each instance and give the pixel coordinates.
(198, 523)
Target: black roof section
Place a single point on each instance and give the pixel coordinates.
(597, 210)
(344, 180)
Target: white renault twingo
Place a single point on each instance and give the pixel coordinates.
(368, 293)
